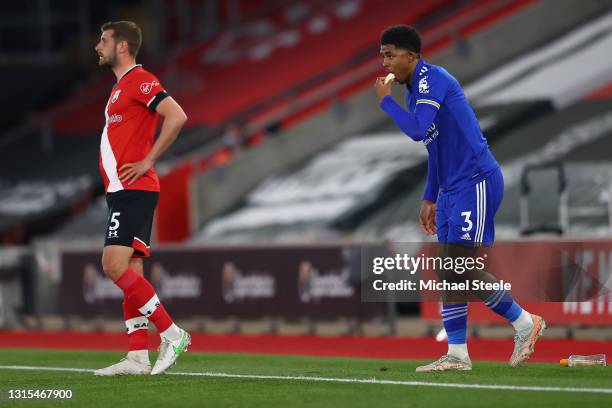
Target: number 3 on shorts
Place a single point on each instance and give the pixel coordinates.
(466, 215)
(114, 222)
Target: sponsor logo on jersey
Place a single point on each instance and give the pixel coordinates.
(114, 119)
(113, 234)
(432, 134)
(423, 85)
(423, 70)
(466, 236)
(146, 87)
(115, 96)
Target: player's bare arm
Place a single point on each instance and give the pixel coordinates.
(173, 120)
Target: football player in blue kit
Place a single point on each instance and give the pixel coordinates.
(464, 185)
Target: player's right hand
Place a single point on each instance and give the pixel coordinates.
(130, 172)
(381, 88)
(427, 217)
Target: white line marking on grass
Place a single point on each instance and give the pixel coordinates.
(37, 368)
(343, 380)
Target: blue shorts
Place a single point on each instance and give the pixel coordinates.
(467, 216)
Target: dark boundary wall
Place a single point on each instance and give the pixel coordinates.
(287, 282)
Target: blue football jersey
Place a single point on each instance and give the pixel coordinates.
(459, 155)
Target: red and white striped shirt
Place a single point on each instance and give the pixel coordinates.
(131, 122)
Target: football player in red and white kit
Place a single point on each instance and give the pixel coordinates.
(127, 155)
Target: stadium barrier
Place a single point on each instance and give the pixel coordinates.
(303, 283)
(320, 283)
(16, 284)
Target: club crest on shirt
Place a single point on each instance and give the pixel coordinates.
(146, 87)
(115, 96)
(423, 86)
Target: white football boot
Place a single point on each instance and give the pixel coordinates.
(524, 341)
(127, 366)
(169, 350)
(447, 363)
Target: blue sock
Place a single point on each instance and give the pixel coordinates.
(454, 319)
(501, 303)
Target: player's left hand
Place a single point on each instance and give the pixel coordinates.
(130, 172)
(381, 88)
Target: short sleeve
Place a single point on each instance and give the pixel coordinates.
(431, 88)
(149, 91)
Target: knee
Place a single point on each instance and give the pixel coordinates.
(113, 268)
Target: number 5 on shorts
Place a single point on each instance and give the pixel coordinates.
(114, 222)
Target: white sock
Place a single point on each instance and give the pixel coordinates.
(523, 322)
(458, 350)
(142, 356)
(172, 333)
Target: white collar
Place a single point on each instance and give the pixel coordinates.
(128, 70)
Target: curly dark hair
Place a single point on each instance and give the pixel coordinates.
(402, 36)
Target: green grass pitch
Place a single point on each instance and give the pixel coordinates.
(178, 390)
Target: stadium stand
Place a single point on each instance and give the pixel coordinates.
(551, 138)
(535, 76)
(498, 115)
(313, 89)
(85, 101)
(213, 99)
(497, 121)
(347, 179)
